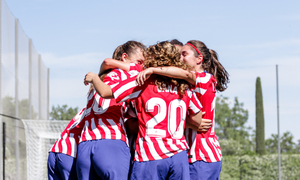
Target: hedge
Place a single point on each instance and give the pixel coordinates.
(264, 167)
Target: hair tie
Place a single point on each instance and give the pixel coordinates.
(195, 48)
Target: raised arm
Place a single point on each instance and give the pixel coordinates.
(101, 88)
(109, 63)
(173, 72)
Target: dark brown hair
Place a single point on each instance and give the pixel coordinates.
(165, 54)
(130, 47)
(211, 64)
(176, 42)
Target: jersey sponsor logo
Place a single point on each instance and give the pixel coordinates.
(133, 73)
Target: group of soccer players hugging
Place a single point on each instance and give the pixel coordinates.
(149, 115)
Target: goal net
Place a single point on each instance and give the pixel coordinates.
(40, 137)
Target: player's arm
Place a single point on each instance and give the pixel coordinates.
(194, 120)
(101, 88)
(109, 63)
(204, 125)
(173, 72)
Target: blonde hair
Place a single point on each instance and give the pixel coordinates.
(165, 54)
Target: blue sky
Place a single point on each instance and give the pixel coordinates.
(250, 37)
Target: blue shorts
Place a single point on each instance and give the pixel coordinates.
(61, 166)
(175, 167)
(103, 158)
(204, 170)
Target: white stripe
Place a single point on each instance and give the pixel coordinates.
(115, 127)
(95, 129)
(172, 146)
(183, 144)
(213, 104)
(193, 107)
(163, 148)
(142, 150)
(214, 145)
(131, 96)
(56, 146)
(113, 85)
(204, 79)
(208, 150)
(64, 144)
(197, 100)
(189, 93)
(87, 135)
(200, 90)
(73, 145)
(123, 75)
(105, 128)
(201, 154)
(124, 88)
(152, 149)
(87, 111)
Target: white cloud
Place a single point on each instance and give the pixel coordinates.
(67, 74)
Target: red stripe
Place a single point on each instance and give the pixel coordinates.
(157, 148)
(91, 133)
(102, 132)
(69, 146)
(59, 145)
(53, 147)
(138, 149)
(112, 131)
(147, 151)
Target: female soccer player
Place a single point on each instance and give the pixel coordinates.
(162, 105)
(209, 75)
(62, 156)
(103, 151)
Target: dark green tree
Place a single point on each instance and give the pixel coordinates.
(63, 112)
(230, 127)
(286, 143)
(260, 121)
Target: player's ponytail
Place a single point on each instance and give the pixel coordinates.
(211, 64)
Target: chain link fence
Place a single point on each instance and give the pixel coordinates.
(24, 93)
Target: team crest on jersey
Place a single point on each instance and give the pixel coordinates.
(113, 76)
(133, 73)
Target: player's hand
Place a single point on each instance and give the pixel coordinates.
(205, 125)
(143, 76)
(89, 78)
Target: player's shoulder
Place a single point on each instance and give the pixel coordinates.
(113, 74)
(135, 67)
(204, 77)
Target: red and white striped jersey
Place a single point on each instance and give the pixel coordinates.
(105, 118)
(204, 146)
(161, 117)
(69, 138)
(96, 121)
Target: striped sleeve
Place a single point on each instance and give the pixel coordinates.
(194, 104)
(127, 89)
